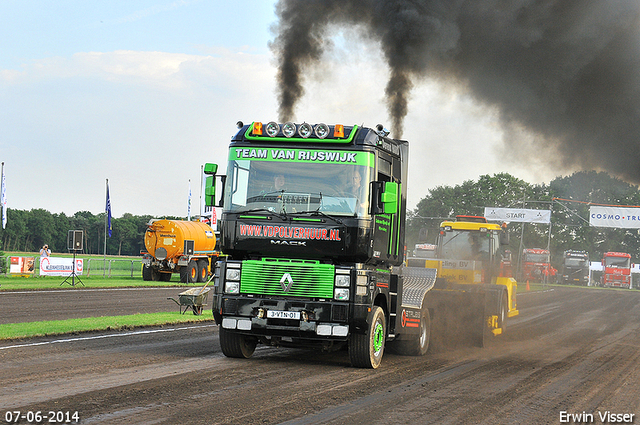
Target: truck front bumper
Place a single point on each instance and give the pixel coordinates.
(285, 317)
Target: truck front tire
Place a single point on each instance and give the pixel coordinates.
(236, 345)
(366, 350)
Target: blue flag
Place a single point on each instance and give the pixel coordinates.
(108, 210)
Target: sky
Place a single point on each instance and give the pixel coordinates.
(144, 93)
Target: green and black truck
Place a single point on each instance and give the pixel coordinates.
(313, 223)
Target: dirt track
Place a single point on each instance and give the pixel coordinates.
(570, 350)
(31, 306)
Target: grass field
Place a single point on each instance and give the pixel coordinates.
(71, 326)
(120, 270)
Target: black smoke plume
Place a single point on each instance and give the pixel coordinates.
(566, 71)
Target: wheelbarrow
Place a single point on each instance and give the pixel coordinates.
(194, 299)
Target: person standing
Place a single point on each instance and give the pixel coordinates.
(45, 251)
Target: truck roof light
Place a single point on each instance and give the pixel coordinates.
(289, 129)
(257, 129)
(272, 129)
(305, 130)
(322, 130)
(338, 130)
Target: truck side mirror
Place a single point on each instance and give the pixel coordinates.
(504, 238)
(210, 185)
(390, 198)
(210, 169)
(210, 191)
(384, 197)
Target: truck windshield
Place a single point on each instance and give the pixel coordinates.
(465, 245)
(536, 258)
(575, 262)
(617, 262)
(293, 187)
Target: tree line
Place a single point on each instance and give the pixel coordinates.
(568, 198)
(29, 230)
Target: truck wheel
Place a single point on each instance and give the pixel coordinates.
(184, 274)
(502, 317)
(203, 270)
(165, 277)
(236, 345)
(418, 345)
(146, 273)
(366, 350)
(155, 274)
(189, 273)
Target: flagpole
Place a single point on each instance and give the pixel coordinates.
(2, 189)
(201, 192)
(189, 203)
(104, 263)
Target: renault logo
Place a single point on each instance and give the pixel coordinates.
(286, 282)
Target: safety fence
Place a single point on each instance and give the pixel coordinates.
(96, 267)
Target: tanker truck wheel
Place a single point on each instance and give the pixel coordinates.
(203, 270)
(366, 350)
(236, 345)
(146, 273)
(189, 273)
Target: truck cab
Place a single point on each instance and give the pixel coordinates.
(574, 268)
(616, 270)
(536, 265)
(313, 232)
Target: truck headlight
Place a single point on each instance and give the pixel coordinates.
(343, 280)
(233, 274)
(341, 294)
(232, 287)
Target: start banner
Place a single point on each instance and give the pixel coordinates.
(56, 266)
(622, 218)
(520, 215)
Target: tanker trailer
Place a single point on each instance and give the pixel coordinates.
(174, 246)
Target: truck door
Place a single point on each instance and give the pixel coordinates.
(389, 225)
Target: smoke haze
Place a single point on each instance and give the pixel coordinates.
(566, 72)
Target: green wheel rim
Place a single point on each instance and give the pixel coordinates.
(378, 337)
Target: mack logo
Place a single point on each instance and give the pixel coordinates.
(290, 243)
(286, 282)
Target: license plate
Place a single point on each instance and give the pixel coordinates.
(291, 315)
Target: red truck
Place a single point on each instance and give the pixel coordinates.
(536, 265)
(616, 270)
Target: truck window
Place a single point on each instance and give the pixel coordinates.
(618, 262)
(463, 245)
(332, 188)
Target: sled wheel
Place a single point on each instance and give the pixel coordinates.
(418, 345)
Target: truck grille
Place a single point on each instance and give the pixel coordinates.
(284, 277)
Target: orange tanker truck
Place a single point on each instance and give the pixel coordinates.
(175, 246)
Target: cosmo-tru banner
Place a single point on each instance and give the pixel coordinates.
(55, 266)
(520, 215)
(622, 218)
